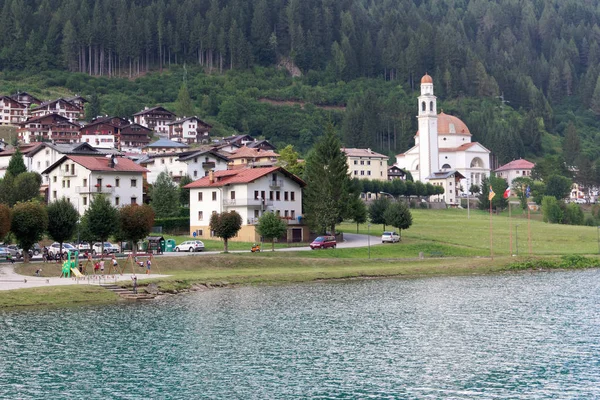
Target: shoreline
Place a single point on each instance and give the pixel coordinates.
(221, 275)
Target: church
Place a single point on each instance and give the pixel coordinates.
(443, 153)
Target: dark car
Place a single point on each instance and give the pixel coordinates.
(323, 242)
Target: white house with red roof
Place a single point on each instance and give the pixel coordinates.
(515, 169)
(442, 144)
(79, 178)
(251, 192)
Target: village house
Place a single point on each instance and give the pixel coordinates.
(61, 107)
(51, 127)
(11, 111)
(188, 130)
(246, 156)
(118, 131)
(366, 164)
(26, 99)
(396, 173)
(165, 146)
(5, 156)
(515, 169)
(79, 101)
(156, 118)
(194, 163)
(450, 181)
(79, 178)
(250, 192)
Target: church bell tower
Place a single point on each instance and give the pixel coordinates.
(428, 130)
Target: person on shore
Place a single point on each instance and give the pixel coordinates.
(80, 267)
(134, 279)
(96, 267)
(45, 254)
(148, 266)
(115, 263)
(38, 272)
(101, 267)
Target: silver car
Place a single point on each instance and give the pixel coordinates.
(190, 245)
(390, 237)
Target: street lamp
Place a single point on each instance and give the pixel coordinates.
(369, 238)
(386, 193)
(599, 240)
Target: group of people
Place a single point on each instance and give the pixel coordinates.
(148, 264)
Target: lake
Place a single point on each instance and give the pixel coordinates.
(525, 335)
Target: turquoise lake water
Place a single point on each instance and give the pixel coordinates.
(517, 336)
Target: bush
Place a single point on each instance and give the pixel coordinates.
(423, 205)
(590, 221)
(174, 224)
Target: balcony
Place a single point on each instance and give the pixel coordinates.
(94, 189)
(208, 165)
(276, 183)
(247, 203)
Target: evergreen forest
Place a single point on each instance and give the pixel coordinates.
(522, 74)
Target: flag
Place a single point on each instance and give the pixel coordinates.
(492, 194)
(506, 193)
(527, 192)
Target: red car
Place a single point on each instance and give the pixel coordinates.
(323, 242)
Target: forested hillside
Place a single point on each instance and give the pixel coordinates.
(541, 56)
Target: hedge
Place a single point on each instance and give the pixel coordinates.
(173, 224)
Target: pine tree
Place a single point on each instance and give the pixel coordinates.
(16, 165)
(327, 193)
(92, 109)
(595, 102)
(184, 105)
(165, 196)
(571, 145)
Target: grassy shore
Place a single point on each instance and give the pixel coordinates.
(463, 242)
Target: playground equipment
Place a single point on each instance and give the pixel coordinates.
(138, 261)
(255, 248)
(71, 264)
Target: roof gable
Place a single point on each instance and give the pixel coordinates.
(241, 176)
(99, 164)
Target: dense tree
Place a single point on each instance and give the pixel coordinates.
(5, 218)
(165, 196)
(271, 227)
(358, 211)
(101, 219)
(377, 210)
(558, 187)
(28, 224)
(498, 185)
(225, 225)
(93, 108)
(571, 145)
(62, 220)
(288, 159)
(551, 210)
(398, 215)
(184, 105)
(16, 164)
(327, 194)
(26, 186)
(135, 223)
(184, 194)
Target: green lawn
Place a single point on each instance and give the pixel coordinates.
(451, 227)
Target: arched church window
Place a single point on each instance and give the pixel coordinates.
(423, 106)
(431, 106)
(446, 166)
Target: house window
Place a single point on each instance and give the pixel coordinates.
(362, 162)
(134, 183)
(232, 194)
(256, 195)
(286, 196)
(293, 196)
(286, 213)
(162, 161)
(63, 183)
(54, 194)
(117, 182)
(293, 213)
(85, 200)
(362, 172)
(355, 172)
(368, 162)
(200, 215)
(39, 165)
(355, 162)
(195, 174)
(54, 179)
(117, 201)
(369, 173)
(66, 168)
(85, 182)
(214, 196)
(68, 183)
(271, 195)
(133, 200)
(199, 196)
(278, 213)
(278, 195)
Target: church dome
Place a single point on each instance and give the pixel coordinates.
(426, 79)
(450, 125)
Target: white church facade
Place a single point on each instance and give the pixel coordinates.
(442, 145)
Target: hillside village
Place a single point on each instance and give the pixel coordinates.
(120, 158)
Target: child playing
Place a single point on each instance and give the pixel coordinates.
(148, 266)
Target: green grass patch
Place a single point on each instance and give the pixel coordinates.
(56, 296)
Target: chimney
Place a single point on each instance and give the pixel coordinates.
(111, 162)
(211, 176)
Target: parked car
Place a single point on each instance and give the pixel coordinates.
(15, 250)
(82, 246)
(323, 242)
(4, 253)
(190, 245)
(35, 250)
(390, 237)
(54, 249)
(109, 248)
(580, 201)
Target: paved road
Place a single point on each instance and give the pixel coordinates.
(10, 280)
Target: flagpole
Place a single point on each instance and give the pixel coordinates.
(510, 228)
(529, 228)
(491, 240)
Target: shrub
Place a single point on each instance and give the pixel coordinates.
(174, 224)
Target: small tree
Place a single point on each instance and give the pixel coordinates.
(474, 189)
(377, 209)
(102, 219)
(16, 165)
(135, 222)
(29, 222)
(5, 218)
(271, 227)
(165, 196)
(358, 211)
(558, 187)
(398, 215)
(62, 221)
(225, 225)
(184, 194)
(288, 159)
(551, 210)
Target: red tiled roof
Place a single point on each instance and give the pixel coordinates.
(517, 164)
(248, 152)
(246, 175)
(101, 164)
(444, 121)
